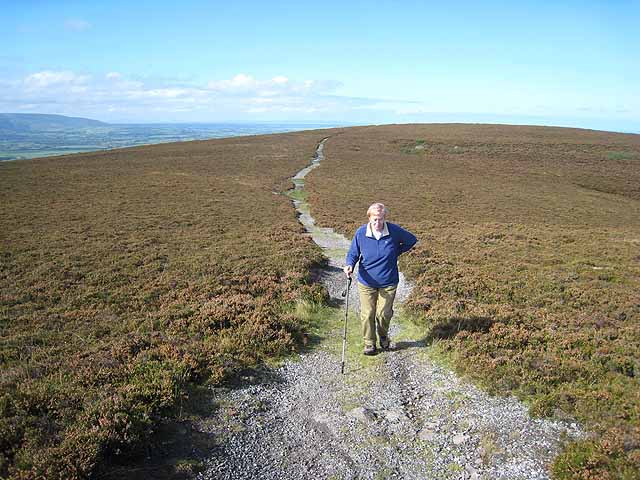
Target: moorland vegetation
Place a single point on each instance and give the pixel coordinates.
(127, 276)
(528, 268)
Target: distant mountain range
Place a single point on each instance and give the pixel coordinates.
(33, 122)
(31, 135)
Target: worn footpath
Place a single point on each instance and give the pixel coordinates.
(397, 415)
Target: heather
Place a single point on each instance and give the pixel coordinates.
(527, 271)
(127, 276)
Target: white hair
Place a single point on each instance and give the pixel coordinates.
(377, 208)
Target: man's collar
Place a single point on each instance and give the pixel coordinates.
(385, 230)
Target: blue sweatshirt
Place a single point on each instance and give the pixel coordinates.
(379, 258)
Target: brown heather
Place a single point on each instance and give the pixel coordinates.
(126, 276)
(528, 268)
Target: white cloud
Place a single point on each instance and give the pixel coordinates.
(278, 85)
(112, 95)
(166, 92)
(49, 78)
(240, 82)
(77, 25)
(414, 110)
(263, 100)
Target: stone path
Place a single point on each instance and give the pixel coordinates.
(399, 415)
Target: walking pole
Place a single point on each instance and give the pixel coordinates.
(346, 314)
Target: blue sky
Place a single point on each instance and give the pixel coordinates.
(555, 63)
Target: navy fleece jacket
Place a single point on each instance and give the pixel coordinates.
(379, 258)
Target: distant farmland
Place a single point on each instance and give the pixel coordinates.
(528, 270)
(35, 138)
(129, 276)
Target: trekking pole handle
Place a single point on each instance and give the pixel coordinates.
(344, 292)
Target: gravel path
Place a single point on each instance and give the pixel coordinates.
(401, 416)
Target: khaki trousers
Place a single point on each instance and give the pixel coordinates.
(376, 310)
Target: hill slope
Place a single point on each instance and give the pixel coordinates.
(129, 275)
(33, 122)
(527, 272)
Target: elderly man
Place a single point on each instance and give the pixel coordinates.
(377, 246)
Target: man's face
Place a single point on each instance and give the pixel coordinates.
(377, 221)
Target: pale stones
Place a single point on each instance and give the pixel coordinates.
(362, 414)
(393, 416)
(460, 438)
(321, 418)
(471, 472)
(427, 435)
(428, 432)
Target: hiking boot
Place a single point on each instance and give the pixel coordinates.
(369, 350)
(385, 343)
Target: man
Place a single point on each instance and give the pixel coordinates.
(377, 246)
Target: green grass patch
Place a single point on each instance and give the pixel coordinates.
(621, 155)
(336, 252)
(413, 147)
(326, 328)
(297, 194)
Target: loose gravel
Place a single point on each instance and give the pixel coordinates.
(403, 417)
